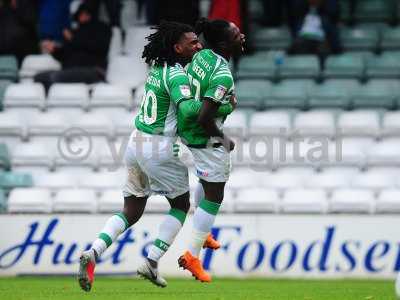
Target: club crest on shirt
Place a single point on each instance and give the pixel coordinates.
(185, 90)
(220, 92)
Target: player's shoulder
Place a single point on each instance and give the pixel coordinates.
(176, 71)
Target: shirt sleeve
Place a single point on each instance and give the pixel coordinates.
(221, 85)
(179, 87)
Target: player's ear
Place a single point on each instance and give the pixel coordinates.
(178, 48)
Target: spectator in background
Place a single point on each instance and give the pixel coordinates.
(83, 54)
(18, 34)
(315, 28)
(54, 16)
(183, 11)
(113, 9)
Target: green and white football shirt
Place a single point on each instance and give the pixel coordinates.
(210, 77)
(165, 88)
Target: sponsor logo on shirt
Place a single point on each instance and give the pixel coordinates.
(220, 92)
(202, 173)
(185, 90)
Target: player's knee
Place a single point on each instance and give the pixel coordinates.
(181, 202)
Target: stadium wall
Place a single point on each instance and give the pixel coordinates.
(305, 246)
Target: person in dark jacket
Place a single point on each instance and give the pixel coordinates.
(18, 34)
(84, 52)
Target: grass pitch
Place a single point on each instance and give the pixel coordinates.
(57, 288)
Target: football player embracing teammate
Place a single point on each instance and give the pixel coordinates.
(212, 83)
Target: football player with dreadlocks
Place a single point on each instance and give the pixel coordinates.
(151, 158)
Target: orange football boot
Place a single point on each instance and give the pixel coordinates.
(211, 243)
(188, 262)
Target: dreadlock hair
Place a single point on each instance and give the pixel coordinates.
(215, 32)
(160, 48)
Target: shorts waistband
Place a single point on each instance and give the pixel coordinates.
(204, 146)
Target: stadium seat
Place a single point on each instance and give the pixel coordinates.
(10, 180)
(36, 63)
(329, 180)
(299, 66)
(388, 201)
(3, 87)
(334, 93)
(157, 204)
(48, 124)
(129, 71)
(352, 201)
(3, 202)
(33, 154)
(5, 160)
(111, 201)
(373, 180)
(360, 38)
(68, 95)
(101, 181)
(251, 93)
(95, 124)
(391, 39)
(282, 180)
(30, 200)
(314, 123)
(374, 10)
(384, 153)
(288, 94)
(386, 65)
(25, 95)
(245, 178)
(347, 65)
(391, 124)
(236, 123)
(258, 66)
(108, 95)
(12, 124)
(55, 180)
(348, 151)
(359, 123)
(272, 38)
(8, 67)
(75, 201)
(125, 124)
(304, 201)
(375, 94)
(257, 200)
(272, 122)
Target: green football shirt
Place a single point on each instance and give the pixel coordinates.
(210, 77)
(165, 88)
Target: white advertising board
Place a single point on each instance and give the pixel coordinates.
(253, 245)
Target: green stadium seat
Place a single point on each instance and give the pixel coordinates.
(334, 93)
(10, 180)
(3, 202)
(3, 86)
(8, 67)
(375, 94)
(5, 161)
(251, 93)
(391, 39)
(299, 66)
(384, 66)
(258, 66)
(272, 38)
(289, 94)
(346, 65)
(360, 38)
(374, 10)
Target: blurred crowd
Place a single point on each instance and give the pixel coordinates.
(78, 32)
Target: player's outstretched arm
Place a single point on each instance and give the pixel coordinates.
(206, 120)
